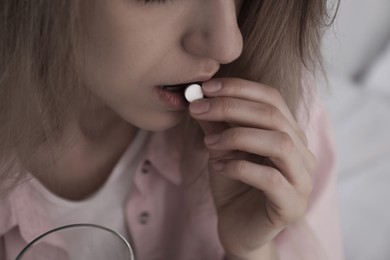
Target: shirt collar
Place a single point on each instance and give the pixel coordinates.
(161, 151)
(28, 213)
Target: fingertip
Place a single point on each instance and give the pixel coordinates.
(199, 106)
(212, 86)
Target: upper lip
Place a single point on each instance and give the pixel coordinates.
(208, 71)
(191, 80)
(199, 77)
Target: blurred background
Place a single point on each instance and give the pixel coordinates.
(357, 53)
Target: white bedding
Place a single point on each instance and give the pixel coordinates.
(361, 124)
(357, 55)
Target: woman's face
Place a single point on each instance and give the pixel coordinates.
(132, 48)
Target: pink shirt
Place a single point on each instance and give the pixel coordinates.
(169, 221)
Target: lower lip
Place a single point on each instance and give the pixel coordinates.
(174, 100)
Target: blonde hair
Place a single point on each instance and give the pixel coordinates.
(282, 49)
(39, 83)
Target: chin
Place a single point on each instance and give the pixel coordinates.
(161, 123)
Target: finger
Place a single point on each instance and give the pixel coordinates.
(284, 198)
(278, 146)
(250, 114)
(247, 113)
(253, 91)
(207, 127)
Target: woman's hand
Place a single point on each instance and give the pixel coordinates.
(260, 166)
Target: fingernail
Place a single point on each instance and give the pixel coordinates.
(212, 139)
(199, 107)
(212, 86)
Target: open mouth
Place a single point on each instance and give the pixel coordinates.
(173, 95)
(178, 88)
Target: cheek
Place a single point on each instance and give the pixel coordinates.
(109, 63)
(111, 55)
(124, 60)
(126, 44)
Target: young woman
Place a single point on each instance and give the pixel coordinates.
(95, 128)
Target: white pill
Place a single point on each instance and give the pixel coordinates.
(193, 92)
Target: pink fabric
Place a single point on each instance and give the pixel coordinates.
(170, 221)
(318, 235)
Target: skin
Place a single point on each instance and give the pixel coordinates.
(130, 49)
(133, 47)
(266, 197)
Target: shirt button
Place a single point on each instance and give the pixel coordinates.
(144, 218)
(145, 168)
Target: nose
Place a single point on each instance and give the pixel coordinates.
(216, 34)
